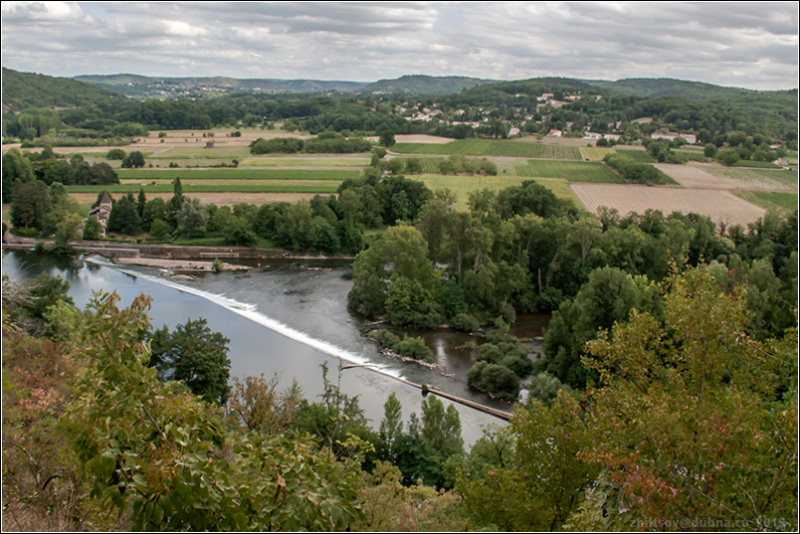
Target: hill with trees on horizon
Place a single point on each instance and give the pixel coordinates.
(173, 103)
(156, 86)
(23, 90)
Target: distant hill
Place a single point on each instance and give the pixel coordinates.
(776, 107)
(152, 86)
(424, 85)
(699, 91)
(23, 90)
(522, 92)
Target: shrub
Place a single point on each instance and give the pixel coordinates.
(464, 322)
(496, 380)
(385, 339)
(115, 153)
(414, 347)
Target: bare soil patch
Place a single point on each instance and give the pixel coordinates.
(693, 177)
(721, 206)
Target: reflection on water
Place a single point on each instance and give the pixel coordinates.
(303, 307)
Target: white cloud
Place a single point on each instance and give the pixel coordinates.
(742, 44)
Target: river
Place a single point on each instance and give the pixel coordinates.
(286, 318)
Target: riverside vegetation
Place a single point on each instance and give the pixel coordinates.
(685, 414)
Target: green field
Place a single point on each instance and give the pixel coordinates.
(272, 186)
(488, 147)
(429, 165)
(235, 174)
(462, 185)
(692, 155)
(775, 202)
(304, 162)
(573, 171)
(776, 178)
(593, 153)
(197, 152)
(755, 164)
(639, 156)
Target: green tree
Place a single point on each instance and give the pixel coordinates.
(15, 167)
(133, 160)
(175, 203)
(694, 419)
(338, 421)
(728, 157)
(240, 232)
(386, 138)
(391, 428)
(154, 209)
(141, 202)
(400, 255)
(92, 229)
(160, 230)
(543, 483)
(196, 356)
(124, 216)
(45, 291)
(607, 297)
(30, 203)
(192, 218)
(115, 153)
(67, 230)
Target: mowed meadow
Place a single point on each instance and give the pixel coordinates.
(218, 167)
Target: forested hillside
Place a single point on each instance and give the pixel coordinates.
(177, 87)
(23, 90)
(424, 85)
(489, 110)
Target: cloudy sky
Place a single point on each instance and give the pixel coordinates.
(744, 44)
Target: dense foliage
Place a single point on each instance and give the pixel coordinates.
(690, 416)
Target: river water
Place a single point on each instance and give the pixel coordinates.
(286, 318)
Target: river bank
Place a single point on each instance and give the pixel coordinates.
(175, 257)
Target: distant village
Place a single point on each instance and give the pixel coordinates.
(516, 126)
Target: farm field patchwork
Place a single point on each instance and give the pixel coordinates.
(775, 202)
(488, 147)
(594, 153)
(428, 165)
(757, 179)
(196, 152)
(288, 161)
(573, 171)
(721, 206)
(463, 185)
(236, 174)
(693, 177)
(235, 186)
(755, 164)
(639, 156)
(692, 155)
(220, 199)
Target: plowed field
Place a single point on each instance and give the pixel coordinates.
(717, 204)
